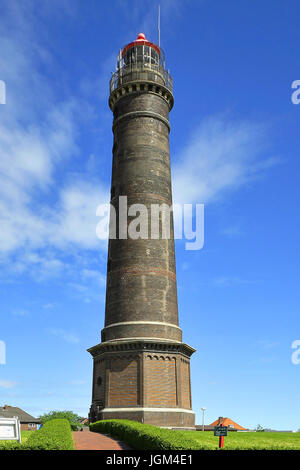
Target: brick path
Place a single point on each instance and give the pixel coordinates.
(87, 440)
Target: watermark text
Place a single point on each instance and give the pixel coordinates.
(2, 92)
(154, 221)
(296, 353)
(2, 352)
(296, 94)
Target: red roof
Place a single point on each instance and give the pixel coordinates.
(228, 422)
(141, 40)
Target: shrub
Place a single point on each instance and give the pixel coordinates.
(69, 415)
(145, 436)
(54, 435)
(73, 418)
(10, 445)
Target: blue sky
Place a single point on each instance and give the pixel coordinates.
(234, 147)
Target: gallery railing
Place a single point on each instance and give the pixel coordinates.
(141, 71)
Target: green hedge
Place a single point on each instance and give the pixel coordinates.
(54, 435)
(144, 436)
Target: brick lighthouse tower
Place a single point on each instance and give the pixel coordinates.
(141, 367)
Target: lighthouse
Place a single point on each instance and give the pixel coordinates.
(141, 366)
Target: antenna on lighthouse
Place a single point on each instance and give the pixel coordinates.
(158, 25)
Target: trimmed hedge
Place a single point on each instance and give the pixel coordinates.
(54, 435)
(145, 436)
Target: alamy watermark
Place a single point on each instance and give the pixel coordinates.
(296, 353)
(296, 94)
(2, 352)
(2, 92)
(155, 222)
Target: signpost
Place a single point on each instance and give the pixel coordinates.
(220, 431)
(10, 429)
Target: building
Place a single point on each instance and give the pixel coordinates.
(232, 425)
(28, 422)
(141, 367)
(84, 421)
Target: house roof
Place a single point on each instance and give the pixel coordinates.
(83, 420)
(11, 411)
(227, 422)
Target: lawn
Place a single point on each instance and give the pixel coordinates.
(247, 440)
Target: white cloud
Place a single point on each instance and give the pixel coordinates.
(230, 281)
(48, 306)
(232, 231)
(7, 384)
(65, 335)
(90, 274)
(267, 344)
(21, 313)
(38, 139)
(222, 155)
(89, 286)
(77, 382)
(76, 220)
(47, 209)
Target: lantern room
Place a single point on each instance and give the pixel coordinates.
(141, 60)
(142, 51)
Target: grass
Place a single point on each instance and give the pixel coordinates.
(146, 437)
(247, 440)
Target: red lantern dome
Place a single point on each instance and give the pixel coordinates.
(140, 41)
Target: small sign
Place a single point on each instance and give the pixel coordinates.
(10, 429)
(220, 430)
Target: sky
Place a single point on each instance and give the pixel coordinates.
(234, 148)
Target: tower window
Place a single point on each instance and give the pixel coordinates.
(99, 380)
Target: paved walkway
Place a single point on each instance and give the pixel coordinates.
(87, 440)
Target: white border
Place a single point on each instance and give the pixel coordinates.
(139, 338)
(178, 410)
(142, 323)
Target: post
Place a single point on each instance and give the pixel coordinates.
(203, 411)
(158, 25)
(221, 440)
(220, 431)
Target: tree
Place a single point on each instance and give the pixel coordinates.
(259, 428)
(69, 415)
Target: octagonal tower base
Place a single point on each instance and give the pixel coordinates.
(145, 381)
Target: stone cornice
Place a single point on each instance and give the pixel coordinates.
(140, 345)
(141, 86)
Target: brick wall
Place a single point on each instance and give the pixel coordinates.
(142, 379)
(124, 389)
(27, 427)
(160, 380)
(185, 383)
(99, 381)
